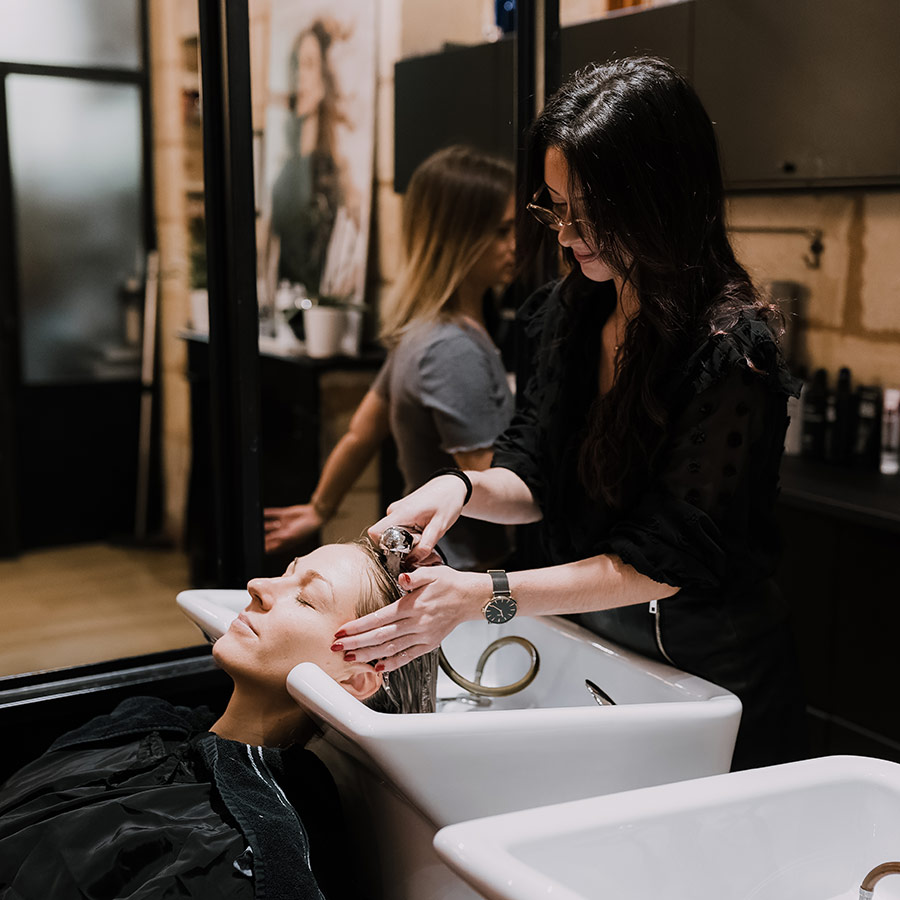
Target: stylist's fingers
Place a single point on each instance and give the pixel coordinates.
(377, 641)
(432, 559)
(429, 537)
(355, 633)
(375, 531)
(412, 581)
(382, 644)
(400, 517)
(387, 615)
(399, 660)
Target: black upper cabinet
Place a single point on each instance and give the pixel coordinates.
(803, 93)
(462, 95)
(663, 31)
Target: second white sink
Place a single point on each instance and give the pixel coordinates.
(810, 830)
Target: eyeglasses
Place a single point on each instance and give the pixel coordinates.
(548, 217)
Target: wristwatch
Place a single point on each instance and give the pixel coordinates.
(502, 606)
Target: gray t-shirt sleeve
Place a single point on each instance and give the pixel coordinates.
(382, 383)
(465, 388)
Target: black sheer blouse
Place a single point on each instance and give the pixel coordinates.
(704, 521)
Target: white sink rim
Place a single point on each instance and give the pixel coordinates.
(481, 850)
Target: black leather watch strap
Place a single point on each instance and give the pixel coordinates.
(499, 582)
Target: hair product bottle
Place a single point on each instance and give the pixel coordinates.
(814, 408)
(867, 441)
(840, 419)
(890, 432)
(793, 439)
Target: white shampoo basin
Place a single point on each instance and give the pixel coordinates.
(810, 830)
(551, 742)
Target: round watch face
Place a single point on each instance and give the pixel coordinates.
(500, 610)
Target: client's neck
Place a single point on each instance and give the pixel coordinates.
(256, 717)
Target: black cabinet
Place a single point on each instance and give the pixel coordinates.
(841, 532)
(803, 93)
(76, 466)
(664, 31)
(461, 96)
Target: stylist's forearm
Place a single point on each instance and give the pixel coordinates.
(600, 582)
(499, 495)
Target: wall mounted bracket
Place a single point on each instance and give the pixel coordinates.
(816, 247)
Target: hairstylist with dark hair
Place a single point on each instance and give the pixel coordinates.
(649, 436)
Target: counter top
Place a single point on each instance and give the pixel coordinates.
(369, 357)
(867, 498)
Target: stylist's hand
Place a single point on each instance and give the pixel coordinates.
(431, 509)
(288, 526)
(439, 599)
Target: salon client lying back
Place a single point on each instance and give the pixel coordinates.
(156, 800)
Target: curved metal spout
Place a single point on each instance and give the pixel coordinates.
(868, 883)
(502, 690)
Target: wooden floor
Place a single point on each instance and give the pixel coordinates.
(74, 605)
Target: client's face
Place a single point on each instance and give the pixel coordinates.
(293, 618)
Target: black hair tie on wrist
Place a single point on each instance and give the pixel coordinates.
(452, 470)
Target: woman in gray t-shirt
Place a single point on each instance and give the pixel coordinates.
(443, 392)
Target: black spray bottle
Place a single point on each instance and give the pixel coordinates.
(814, 408)
(840, 420)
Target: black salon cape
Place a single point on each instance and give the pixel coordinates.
(147, 803)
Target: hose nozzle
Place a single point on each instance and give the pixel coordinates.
(396, 543)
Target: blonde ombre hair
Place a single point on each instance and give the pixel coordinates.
(452, 209)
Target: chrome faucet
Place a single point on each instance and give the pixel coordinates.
(868, 883)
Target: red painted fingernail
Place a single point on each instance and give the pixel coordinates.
(405, 578)
(340, 634)
(350, 657)
(379, 667)
(336, 646)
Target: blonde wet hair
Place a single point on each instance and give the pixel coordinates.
(411, 688)
(451, 211)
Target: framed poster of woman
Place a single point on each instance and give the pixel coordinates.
(319, 146)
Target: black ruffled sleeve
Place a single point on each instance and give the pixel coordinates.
(519, 448)
(697, 524)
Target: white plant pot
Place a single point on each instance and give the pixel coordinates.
(324, 328)
(200, 310)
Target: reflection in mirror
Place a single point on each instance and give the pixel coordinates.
(89, 553)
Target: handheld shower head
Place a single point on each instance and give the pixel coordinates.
(395, 543)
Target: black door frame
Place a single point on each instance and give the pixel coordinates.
(231, 274)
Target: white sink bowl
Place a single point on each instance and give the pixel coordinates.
(810, 830)
(549, 743)
(546, 744)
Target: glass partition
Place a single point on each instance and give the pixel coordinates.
(75, 154)
(71, 33)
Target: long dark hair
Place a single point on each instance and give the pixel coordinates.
(331, 112)
(642, 155)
